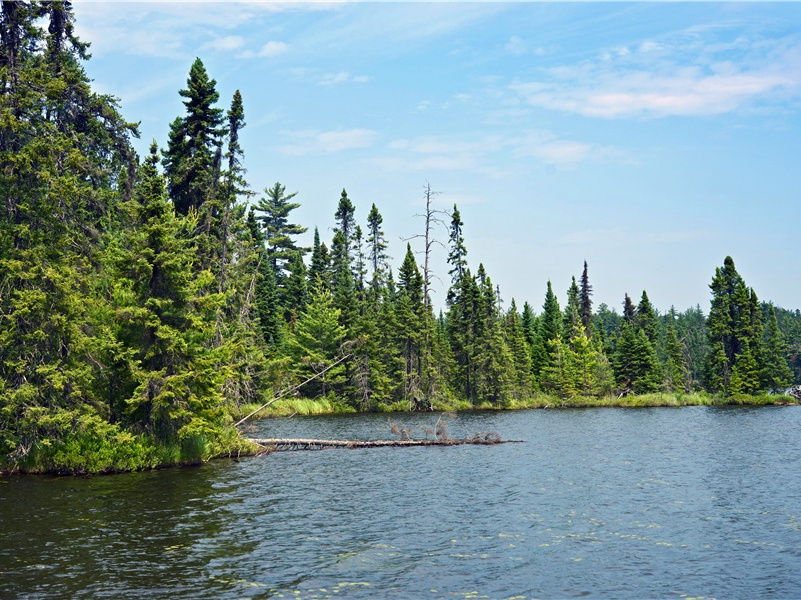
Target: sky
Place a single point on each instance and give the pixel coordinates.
(649, 139)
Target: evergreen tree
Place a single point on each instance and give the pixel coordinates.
(273, 213)
(645, 317)
(170, 322)
(409, 320)
(268, 305)
(730, 331)
(457, 254)
(191, 160)
(775, 374)
(320, 262)
(520, 351)
(315, 345)
(635, 363)
(572, 314)
(62, 149)
(295, 293)
(585, 302)
(676, 373)
(376, 250)
(551, 322)
(629, 310)
(346, 224)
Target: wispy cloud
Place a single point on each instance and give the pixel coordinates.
(658, 80)
(228, 42)
(171, 29)
(342, 77)
(326, 142)
(490, 153)
(268, 50)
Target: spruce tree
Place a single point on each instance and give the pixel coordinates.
(376, 251)
(775, 373)
(730, 333)
(585, 302)
(572, 314)
(676, 373)
(645, 317)
(346, 224)
(551, 322)
(457, 254)
(316, 344)
(320, 262)
(193, 153)
(62, 148)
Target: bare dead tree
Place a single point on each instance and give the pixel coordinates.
(432, 218)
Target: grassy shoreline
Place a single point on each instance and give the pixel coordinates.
(323, 406)
(123, 453)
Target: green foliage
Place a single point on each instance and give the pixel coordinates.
(139, 312)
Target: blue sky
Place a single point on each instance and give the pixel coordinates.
(650, 139)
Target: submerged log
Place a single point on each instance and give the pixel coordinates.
(279, 445)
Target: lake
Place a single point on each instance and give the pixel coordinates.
(697, 502)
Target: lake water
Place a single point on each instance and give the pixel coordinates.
(605, 503)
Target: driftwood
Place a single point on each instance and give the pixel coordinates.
(278, 445)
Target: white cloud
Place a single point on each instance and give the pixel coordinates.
(657, 81)
(229, 42)
(327, 142)
(516, 45)
(273, 48)
(489, 154)
(342, 77)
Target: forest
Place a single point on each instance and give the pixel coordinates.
(146, 303)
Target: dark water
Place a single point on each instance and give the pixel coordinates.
(611, 503)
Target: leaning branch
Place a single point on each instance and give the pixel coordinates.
(292, 389)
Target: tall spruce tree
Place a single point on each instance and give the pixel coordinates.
(585, 302)
(193, 154)
(572, 314)
(730, 333)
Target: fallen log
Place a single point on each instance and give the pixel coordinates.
(280, 445)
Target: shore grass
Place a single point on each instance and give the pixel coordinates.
(327, 406)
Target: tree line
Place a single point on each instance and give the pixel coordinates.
(144, 301)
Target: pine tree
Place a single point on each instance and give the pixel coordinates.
(268, 306)
(273, 214)
(493, 379)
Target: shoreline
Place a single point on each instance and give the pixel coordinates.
(292, 407)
